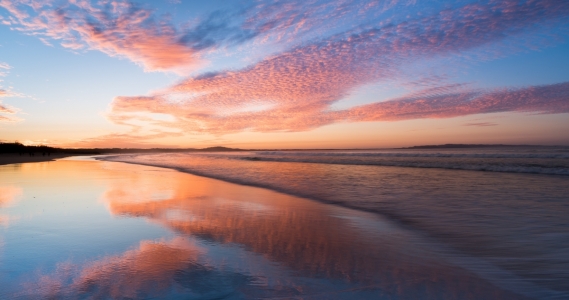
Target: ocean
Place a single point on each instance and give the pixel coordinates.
(486, 223)
(502, 212)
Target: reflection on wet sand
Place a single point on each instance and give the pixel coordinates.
(305, 237)
(221, 241)
(8, 195)
(154, 269)
(135, 271)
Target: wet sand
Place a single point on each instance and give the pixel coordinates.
(6, 159)
(81, 229)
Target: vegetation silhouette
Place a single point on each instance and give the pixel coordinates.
(22, 149)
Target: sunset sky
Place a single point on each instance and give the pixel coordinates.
(284, 74)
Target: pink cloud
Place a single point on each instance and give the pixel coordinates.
(124, 29)
(132, 139)
(116, 28)
(338, 47)
(543, 99)
(298, 87)
(4, 69)
(7, 110)
(481, 124)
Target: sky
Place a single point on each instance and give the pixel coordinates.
(284, 74)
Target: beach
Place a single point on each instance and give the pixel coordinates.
(303, 150)
(500, 212)
(86, 228)
(24, 158)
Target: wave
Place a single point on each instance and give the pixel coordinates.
(480, 165)
(418, 154)
(481, 215)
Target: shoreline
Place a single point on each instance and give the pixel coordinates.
(364, 257)
(7, 159)
(455, 246)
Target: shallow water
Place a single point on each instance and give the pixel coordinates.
(107, 230)
(504, 208)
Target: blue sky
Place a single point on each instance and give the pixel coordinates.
(298, 74)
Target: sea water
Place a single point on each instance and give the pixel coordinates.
(442, 224)
(502, 210)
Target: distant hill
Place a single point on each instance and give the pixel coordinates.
(456, 146)
(219, 149)
(20, 148)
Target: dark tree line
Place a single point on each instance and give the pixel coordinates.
(19, 148)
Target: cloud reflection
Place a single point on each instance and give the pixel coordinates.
(291, 232)
(153, 269)
(238, 242)
(8, 196)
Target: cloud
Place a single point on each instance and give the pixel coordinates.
(4, 69)
(481, 124)
(552, 98)
(298, 87)
(9, 119)
(125, 29)
(543, 99)
(132, 139)
(331, 48)
(116, 28)
(6, 110)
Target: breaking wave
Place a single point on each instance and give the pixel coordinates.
(549, 161)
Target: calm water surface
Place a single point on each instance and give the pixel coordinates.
(503, 210)
(106, 230)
